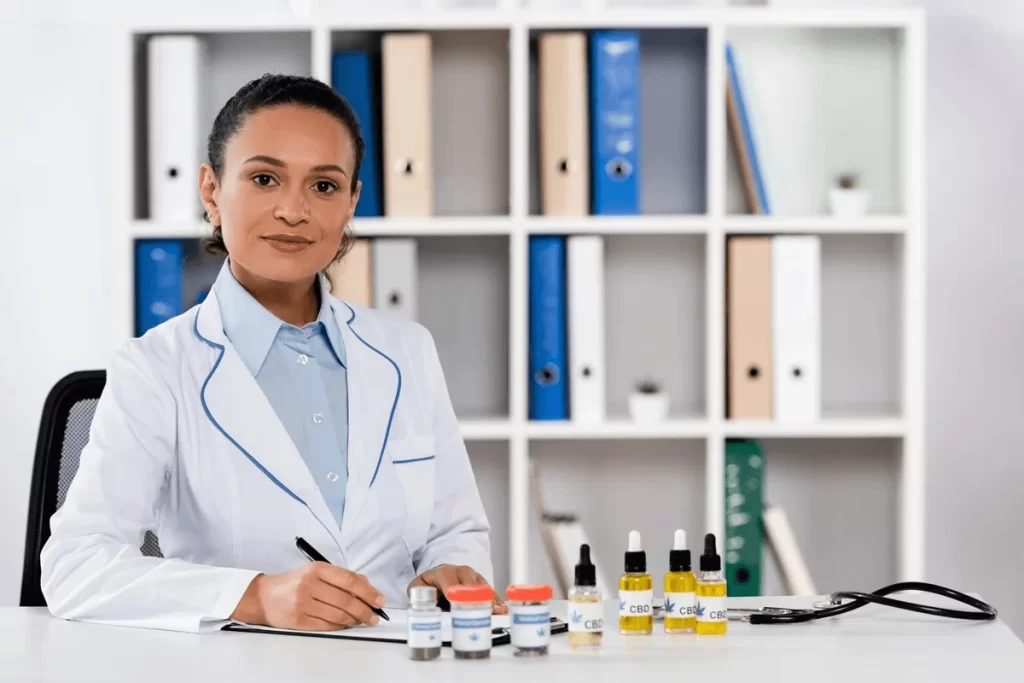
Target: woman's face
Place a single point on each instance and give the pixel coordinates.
(283, 199)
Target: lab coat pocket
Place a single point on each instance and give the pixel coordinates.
(414, 461)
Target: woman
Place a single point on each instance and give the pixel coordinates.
(270, 412)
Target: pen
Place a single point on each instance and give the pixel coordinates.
(311, 553)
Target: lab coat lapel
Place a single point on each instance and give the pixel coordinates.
(374, 386)
(236, 406)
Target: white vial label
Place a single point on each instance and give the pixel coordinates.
(680, 605)
(531, 626)
(586, 617)
(471, 630)
(711, 610)
(635, 603)
(424, 630)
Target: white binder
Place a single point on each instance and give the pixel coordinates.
(585, 290)
(394, 276)
(173, 127)
(796, 327)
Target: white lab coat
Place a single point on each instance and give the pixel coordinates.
(184, 443)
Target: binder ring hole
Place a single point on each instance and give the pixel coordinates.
(754, 372)
(395, 298)
(565, 165)
(406, 166)
(743, 575)
(547, 375)
(587, 372)
(797, 372)
(172, 172)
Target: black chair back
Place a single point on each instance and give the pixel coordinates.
(63, 433)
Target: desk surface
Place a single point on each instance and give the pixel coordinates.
(870, 644)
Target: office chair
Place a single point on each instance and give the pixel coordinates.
(63, 432)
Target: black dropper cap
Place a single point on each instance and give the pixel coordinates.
(710, 561)
(636, 559)
(586, 574)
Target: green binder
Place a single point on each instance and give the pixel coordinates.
(744, 503)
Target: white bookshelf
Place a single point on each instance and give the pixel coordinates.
(858, 473)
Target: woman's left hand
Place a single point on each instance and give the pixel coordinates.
(447, 575)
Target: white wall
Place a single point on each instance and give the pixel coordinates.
(54, 180)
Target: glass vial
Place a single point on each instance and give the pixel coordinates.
(586, 611)
(711, 592)
(530, 608)
(680, 589)
(424, 635)
(636, 592)
(471, 608)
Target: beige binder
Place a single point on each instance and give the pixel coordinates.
(749, 315)
(406, 85)
(351, 277)
(563, 123)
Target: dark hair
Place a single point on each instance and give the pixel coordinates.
(271, 90)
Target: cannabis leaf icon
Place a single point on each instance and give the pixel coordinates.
(576, 617)
(433, 637)
(540, 632)
(700, 610)
(474, 637)
(622, 605)
(670, 607)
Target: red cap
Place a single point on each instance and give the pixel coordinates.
(530, 592)
(474, 593)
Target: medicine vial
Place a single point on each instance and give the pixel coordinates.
(680, 589)
(711, 592)
(636, 594)
(424, 635)
(529, 606)
(586, 611)
(471, 609)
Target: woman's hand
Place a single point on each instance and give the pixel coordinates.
(314, 597)
(447, 575)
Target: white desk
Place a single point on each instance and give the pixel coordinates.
(870, 644)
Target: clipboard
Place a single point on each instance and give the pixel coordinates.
(394, 631)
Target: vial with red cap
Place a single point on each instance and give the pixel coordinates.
(471, 609)
(529, 606)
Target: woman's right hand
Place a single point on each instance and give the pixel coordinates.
(315, 597)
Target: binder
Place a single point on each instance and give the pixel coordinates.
(394, 276)
(352, 75)
(784, 549)
(585, 285)
(749, 327)
(548, 385)
(740, 120)
(158, 282)
(744, 505)
(563, 124)
(408, 161)
(796, 327)
(615, 133)
(174, 139)
(350, 278)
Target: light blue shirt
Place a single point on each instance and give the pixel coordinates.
(302, 373)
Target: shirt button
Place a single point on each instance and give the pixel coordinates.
(318, 417)
(309, 332)
(332, 477)
(303, 359)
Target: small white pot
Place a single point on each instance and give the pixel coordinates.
(847, 203)
(648, 407)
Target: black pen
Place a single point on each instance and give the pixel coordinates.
(311, 553)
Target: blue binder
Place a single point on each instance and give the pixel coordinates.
(549, 395)
(748, 133)
(615, 131)
(352, 76)
(158, 270)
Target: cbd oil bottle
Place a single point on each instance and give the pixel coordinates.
(711, 592)
(636, 615)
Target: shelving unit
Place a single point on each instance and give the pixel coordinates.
(856, 474)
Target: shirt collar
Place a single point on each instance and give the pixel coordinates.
(252, 329)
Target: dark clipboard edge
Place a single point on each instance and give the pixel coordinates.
(557, 626)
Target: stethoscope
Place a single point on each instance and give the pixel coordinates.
(833, 605)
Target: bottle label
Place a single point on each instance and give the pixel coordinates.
(471, 630)
(680, 605)
(711, 610)
(531, 626)
(424, 630)
(636, 603)
(586, 617)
